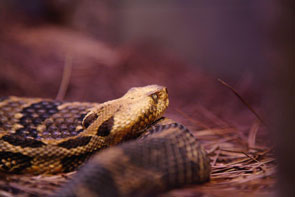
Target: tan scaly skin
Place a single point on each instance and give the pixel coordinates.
(42, 136)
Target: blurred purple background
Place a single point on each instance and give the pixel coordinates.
(185, 45)
(228, 38)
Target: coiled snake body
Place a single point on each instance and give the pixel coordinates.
(42, 136)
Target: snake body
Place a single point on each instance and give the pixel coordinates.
(43, 136)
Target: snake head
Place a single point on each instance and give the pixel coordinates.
(148, 101)
(144, 105)
(154, 94)
(128, 115)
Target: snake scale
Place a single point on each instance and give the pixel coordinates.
(149, 154)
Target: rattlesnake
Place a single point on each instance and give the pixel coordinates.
(43, 136)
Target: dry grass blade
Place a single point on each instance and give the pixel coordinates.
(243, 100)
(65, 78)
(252, 134)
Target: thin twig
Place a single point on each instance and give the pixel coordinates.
(216, 157)
(242, 100)
(251, 157)
(252, 134)
(65, 78)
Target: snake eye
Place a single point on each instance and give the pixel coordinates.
(89, 119)
(155, 97)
